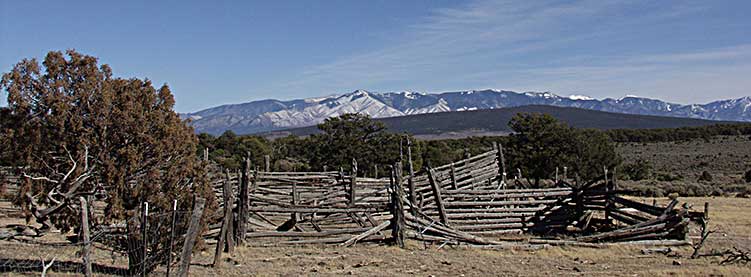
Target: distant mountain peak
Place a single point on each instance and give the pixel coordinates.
(269, 115)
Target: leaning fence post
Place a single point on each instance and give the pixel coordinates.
(453, 177)
(85, 236)
(411, 181)
(172, 236)
(190, 237)
(437, 195)
(225, 233)
(144, 236)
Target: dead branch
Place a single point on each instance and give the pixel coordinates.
(736, 256)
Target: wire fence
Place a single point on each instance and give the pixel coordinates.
(143, 245)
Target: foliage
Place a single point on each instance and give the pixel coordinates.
(540, 143)
(79, 131)
(747, 176)
(679, 134)
(638, 170)
(354, 136)
(705, 176)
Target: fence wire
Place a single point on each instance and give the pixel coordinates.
(114, 250)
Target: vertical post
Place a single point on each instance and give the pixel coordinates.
(375, 171)
(556, 175)
(401, 148)
(437, 194)
(608, 194)
(267, 162)
(397, 206)
(503, 162)
(144, 235)
(706, 211)
(85, 236)
(565, 173)
(172, 236)
(411, 181)
(295, 201)
(353, 182)
(242, 209)
(453, 177)
(224, 233)
(190, 237)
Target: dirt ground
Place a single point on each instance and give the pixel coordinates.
(729, 218)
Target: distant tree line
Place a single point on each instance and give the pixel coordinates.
(679, 134)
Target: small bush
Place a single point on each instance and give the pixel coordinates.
(747, 176)
(705, 176)
(639, 170)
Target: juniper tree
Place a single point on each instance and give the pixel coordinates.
(78, 130)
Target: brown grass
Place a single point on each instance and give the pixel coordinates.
(729, 216)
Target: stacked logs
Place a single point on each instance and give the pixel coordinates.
(311, 207)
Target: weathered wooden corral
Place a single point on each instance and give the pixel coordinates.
(467, 202)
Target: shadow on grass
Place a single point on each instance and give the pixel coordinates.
(26, 265)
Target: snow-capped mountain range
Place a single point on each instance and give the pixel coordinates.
(268, 115)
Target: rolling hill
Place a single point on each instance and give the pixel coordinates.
(495, 122)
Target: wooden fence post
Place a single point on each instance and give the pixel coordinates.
(190, 237)
(267, 162)
(411, 181)
(503, 163)
(397, 206)
(353, 182)
(437, 195)
(609, 189)
(172, 236)
(453, 177)
(242, 210)
(225, 232)
(85, 236)
(144, 236)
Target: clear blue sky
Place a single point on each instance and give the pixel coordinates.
(231, 52)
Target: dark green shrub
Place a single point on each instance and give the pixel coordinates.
(638, 170)
(705, 176)
(747, 176)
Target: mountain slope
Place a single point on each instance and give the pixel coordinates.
(269, 115)
(495, 121)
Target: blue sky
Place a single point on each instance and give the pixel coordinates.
(231, 52)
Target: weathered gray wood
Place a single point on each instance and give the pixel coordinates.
(453, 177)
(86, 236)
(144, 236)
(366, 234)
(353, 182)
(224, 234)
(397, 206)
(242, 211)
(172, 236)
(190, 237)
(267, 163)
(437, 196)
(411, 180)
